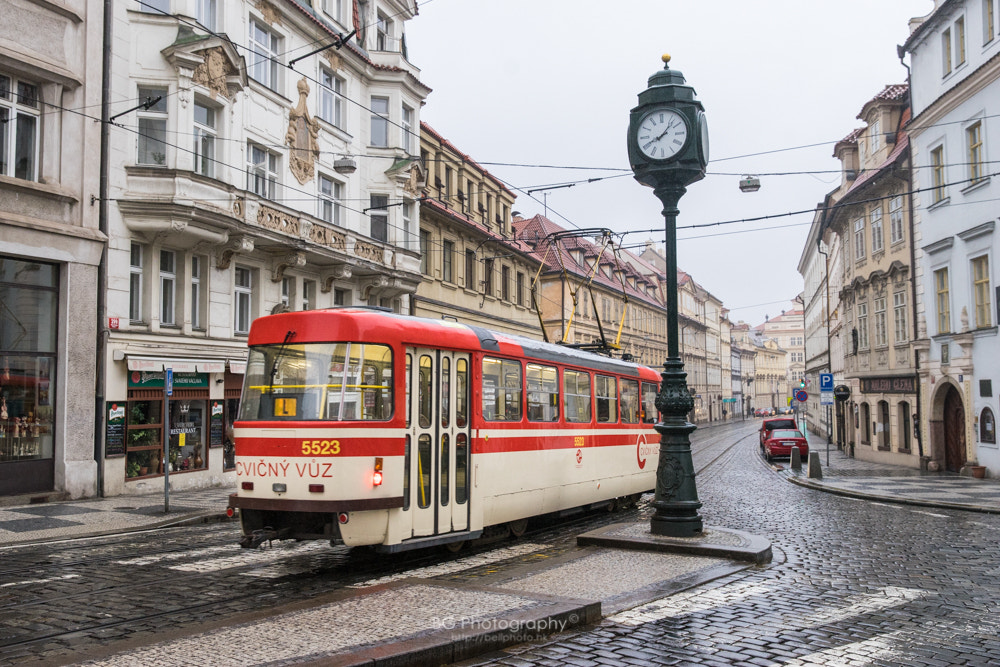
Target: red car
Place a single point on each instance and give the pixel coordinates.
(769, 424)
(781, 440)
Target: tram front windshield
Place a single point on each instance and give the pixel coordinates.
(318, 381)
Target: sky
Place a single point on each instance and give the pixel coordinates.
(551, 82)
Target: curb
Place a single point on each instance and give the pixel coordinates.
(891, 499)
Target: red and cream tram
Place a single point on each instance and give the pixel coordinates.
(369, 428)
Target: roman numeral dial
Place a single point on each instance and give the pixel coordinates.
(662, 134)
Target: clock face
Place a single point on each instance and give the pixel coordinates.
(662, 134)
(703, 147)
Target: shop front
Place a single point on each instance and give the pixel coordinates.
(177, 417)
(29, 297)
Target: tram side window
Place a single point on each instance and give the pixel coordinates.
(461, 393)
(425, 380)
(648, 403)
(607, 398)
(501, 389)
(543, 393)
(576, 394)
(630, 401)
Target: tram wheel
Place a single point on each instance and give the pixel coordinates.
(613, 505)
(518, 528)
(455, 547)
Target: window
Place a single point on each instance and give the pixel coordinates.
(877, 240)
(543, 393)
(981, 287)
(630, 401)
(987, 427)
(135, 284)
(19, 139)
(470, 269)
(447, 253)
(960, 41)
(380, 121)
(241, 298)
(896, 219)
(974, 142)
(882, 427)
(262, 171)
(331, 98)
(168, 286)
(946, 52)
(265, 50)
(330, 195)
(407, 129)
(943, 301)
(988, 21)
(207, 13)
(607, 398)
(153, 127)
(505, 283)
(859, 239)
(899, 317)
(204, 139)
(196, 298)
(519, 289)
(407, 224)
(876, 135)
(863, 326)
(383, 37)
(488, 277)
(334, 9)
(379, 216)
(425, 245)
(154, 6)
(287, 288)
(937, 173)
(340, 297)
(576, 395)
(648, 410)
(501, 389)
(880, 322)
(308, 294)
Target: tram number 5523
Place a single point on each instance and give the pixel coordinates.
(320, 447)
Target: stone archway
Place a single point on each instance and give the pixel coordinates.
(947, 428)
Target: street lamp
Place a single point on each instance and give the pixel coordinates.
(668, 150)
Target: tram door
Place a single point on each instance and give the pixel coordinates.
(438, 437)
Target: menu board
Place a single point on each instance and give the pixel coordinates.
(114, 438)
(216, 427)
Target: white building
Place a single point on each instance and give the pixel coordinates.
(252, 171)
(954, 55)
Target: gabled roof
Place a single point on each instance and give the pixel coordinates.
(424, 127)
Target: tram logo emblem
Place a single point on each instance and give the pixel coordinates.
(643, 450)
(579, 458)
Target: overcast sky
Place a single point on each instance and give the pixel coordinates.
(551, 82)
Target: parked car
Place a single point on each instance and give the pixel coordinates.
(786, 411)
(781, 440)
(763, 412)
(769, 424)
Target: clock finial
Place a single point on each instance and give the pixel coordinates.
(666, 60)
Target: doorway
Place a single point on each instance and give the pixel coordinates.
(954, 431)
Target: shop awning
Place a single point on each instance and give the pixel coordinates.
(239, 367)
(143, 363)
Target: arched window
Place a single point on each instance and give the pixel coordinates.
(882, 427)
(904, 426)
(987, 426)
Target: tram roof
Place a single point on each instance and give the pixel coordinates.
(373, 325)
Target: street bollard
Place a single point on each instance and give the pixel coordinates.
(796, 459)
(815, 472)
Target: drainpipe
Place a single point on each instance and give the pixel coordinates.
(913, 268)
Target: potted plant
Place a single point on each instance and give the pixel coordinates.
(132, 468)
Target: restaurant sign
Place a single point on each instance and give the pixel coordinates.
(889, 385)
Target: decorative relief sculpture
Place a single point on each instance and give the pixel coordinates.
(325, 236)
(214, 71)
(270, 13)
(270, 218)
(301, 136)
(295, 259)
(241, 244)
(368, 251)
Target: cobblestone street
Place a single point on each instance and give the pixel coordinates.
(854, 582)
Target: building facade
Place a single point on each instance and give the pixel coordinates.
(51, 248)
(250, 174)
(954, 55)
(473, 269)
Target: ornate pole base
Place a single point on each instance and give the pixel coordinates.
(676, 502)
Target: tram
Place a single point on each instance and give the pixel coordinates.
(364, 427)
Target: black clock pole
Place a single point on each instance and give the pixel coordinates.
(676, 504)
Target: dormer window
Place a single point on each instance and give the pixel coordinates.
(876, 135)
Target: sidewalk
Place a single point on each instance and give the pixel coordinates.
(896, 484)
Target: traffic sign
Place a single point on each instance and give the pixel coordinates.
(826, 381)
(170, 381)
(801, 396)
